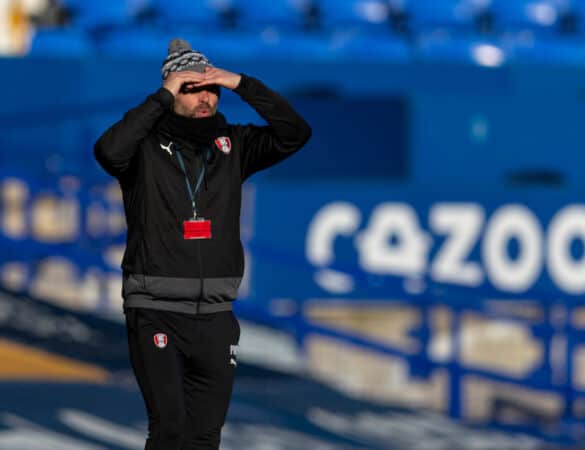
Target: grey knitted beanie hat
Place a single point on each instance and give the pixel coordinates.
(182, 57)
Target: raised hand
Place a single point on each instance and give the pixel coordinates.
(214, 75)
(175, 80)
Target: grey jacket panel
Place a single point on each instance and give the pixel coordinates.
(215, 290)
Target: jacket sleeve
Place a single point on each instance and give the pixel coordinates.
(286, 132)
(115, 149)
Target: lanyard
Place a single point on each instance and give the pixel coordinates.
(193, 192)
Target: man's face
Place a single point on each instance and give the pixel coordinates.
(196, 102)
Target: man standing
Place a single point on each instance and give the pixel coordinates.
(181, 168)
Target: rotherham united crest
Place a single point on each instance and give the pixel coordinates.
(224, 144)
(160, 340)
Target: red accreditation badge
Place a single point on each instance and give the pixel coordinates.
(197, 228)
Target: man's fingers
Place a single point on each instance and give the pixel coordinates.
(194, 77)
(196, 80)
(187, 72)
(186, 75)
(203, 83)
(191, 79)
(212, 83)
(213, 77)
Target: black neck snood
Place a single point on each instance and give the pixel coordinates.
(192, 133)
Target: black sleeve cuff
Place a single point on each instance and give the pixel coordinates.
(164, 97)
(244, 85)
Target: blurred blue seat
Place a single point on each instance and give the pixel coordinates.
(344, 45)
(138, 42)
(60, 42)
(224, 45)
(202, 13)
(104, 13)
(424, 15)
(535, 15)
(265, 13)
(470, 50)
(153, 43)
(548, 51)
(367, 48)
(288, 46)
(365, 14)
(573, 15)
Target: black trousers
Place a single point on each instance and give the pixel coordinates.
(185, 366)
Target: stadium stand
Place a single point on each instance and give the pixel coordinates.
(499, 31)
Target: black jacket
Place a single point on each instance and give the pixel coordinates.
(161, 269)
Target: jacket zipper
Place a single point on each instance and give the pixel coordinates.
(200, 276)
(201, 281)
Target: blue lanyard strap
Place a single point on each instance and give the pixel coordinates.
(193, 192)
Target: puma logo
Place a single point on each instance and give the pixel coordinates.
(167, 148)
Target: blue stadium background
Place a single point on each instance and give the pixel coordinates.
(415, 275)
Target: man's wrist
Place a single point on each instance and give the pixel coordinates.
(238, 81)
